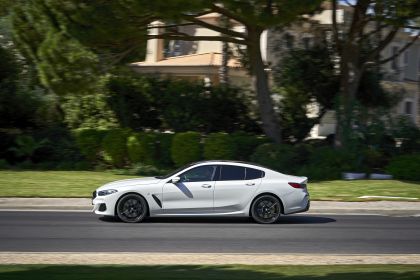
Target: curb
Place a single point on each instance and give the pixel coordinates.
(388, 208)
(203, 259)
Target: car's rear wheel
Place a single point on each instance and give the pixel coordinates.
(266, 209)
(132, 208)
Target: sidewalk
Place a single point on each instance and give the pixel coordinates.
(394, 208)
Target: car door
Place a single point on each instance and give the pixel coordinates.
(192, 194)
(234, 189)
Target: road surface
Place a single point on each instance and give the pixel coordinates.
(27, 231)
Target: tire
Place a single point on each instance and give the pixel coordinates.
(132, 208)
(266, 209)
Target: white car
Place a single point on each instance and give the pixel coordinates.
(208, 188)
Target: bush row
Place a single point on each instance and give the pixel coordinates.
(149, 153)
(327, 163)
(152, 151)
(121, 147)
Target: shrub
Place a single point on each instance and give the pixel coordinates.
(186, 148)
(278, 157)
(219, 146)
(142, 147)
(405, 167)
(114, 146)
(4, 164)
(374, 159)
(89, 142)
(164, 151)
(134, 147)
(328, 163)
(245, 144)
(60, 146)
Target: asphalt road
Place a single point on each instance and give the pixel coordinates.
(85, 232)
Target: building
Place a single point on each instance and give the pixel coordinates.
(202, 60)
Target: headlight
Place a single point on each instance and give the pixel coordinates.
(106, 192)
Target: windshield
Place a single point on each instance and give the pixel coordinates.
(174, 172)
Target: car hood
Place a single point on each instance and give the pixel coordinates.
(130, 182)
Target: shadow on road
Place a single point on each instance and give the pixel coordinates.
(228, 220)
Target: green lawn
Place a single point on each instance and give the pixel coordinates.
(341, 190)
(53, 183)
(82, 183)
(337, 272)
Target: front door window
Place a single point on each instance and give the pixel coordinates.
(203, 173)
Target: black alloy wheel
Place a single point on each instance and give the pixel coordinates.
(266, 209)
(132, 208)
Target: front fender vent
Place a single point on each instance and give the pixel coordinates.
(157, 200)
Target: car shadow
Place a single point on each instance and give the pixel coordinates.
(295, 219)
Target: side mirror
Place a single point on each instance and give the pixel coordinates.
(175, 180)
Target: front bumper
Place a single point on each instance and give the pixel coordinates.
(104, 205)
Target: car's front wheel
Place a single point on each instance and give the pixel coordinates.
(266, 209)
(132, 208)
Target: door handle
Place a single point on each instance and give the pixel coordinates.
(250, 184)
(207, 186)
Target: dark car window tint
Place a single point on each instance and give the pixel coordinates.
(231, 172)
(199, 174)
(252, 173)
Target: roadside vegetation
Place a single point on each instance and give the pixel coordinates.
(68, 101)
(82, 183)
(243, 272)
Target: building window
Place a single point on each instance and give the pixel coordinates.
(408, 107)
(394, 64)
(406, 57)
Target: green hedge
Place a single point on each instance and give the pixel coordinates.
(89, 142)
(246, 144)
(277, 157)
(150, 148)
(186, 148)
(142, 148)
(114, 147)
(327, 163)
(163, 155)
(406, 167)
(219, 146)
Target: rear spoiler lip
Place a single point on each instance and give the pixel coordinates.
(305, 180)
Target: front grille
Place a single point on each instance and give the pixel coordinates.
(94, 195)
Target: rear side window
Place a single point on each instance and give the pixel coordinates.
(252, 173)
(232, 172)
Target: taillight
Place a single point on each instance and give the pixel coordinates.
(297, 185)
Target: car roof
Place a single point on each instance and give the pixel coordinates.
(230, 161)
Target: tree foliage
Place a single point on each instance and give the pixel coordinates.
(371, 28)
(116, 31)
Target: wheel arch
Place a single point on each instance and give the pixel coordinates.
(266, 193)
(147, 203)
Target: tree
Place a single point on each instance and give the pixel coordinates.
(120, 27)
(255, 16)
(373, 26)
(304, 76)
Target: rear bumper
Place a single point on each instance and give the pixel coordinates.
(305, 206)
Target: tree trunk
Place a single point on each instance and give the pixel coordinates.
(223, 70)
(351, 73)
(270, 124)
